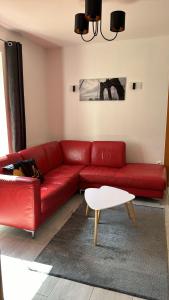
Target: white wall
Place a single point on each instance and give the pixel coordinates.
(140, 120)
(4, 147)
(55, 93)
(35, 87)
(36, 92)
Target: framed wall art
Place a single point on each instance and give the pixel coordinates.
(103, 89)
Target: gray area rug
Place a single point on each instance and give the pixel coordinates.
(127, 259)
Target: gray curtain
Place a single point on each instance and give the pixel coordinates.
(16, 94)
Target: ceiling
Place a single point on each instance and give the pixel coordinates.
(51, 22)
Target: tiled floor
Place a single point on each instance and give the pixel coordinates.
(18, 249)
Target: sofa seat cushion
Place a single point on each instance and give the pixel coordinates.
(53, 194)
(142, 176)
(64, 171)
(100, 175)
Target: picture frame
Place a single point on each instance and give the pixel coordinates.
(103, 89)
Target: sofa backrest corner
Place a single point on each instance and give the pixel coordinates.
(76, 152)
(54, 154)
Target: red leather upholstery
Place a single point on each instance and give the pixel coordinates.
(38, 153)
(54, 195)
(20, 202)
(64, 171)
(76, 152)
(54, 154)
(142, 176)
(100, 175)
(25, 203)
(63, 174)
(108, 154)
(138, 192)
(140, 179)
(145, 193)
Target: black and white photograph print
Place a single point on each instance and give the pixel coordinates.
(104, 89)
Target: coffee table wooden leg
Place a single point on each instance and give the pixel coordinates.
(128, 210)
(87, 210)
(95, 227)
(98, 215)
(132, 212)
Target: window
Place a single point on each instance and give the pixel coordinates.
(4, 147)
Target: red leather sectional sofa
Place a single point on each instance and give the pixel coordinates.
(68, 166)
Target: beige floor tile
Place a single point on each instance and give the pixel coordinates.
(19, 283)
(48, 286)
(69, 290)
(138, 298)
(39, 297)
(100, 294)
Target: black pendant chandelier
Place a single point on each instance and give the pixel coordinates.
(93, 13)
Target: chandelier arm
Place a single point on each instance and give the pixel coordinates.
(109, 40)
(87, 40)
(95, 28)
(94, 33)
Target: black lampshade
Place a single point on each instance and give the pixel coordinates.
(81, 24)
(93, 10)
(117, 22)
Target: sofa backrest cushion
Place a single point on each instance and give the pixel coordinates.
(39, 155)
(54, 154)
(108, 154)
(76, 152)
(9, 159)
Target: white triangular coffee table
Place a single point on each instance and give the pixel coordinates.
(107, 197)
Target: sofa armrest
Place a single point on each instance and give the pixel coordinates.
(20, 204)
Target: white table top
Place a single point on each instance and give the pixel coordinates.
(106, 197)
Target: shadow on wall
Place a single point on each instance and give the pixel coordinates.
(54, 80)
(55, 93)
(135, 152)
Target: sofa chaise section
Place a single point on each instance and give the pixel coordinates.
(109, 167)
(147, 180)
